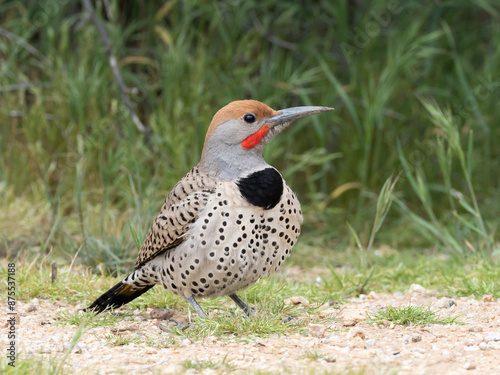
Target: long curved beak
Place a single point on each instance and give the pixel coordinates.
(290, 114)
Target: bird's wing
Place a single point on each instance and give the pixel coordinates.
(180, 210)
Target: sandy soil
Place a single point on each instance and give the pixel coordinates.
(341, 340)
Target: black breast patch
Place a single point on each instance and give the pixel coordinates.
(263, 188)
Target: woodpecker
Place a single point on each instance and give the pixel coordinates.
(230, 221)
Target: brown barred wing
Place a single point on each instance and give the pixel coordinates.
(180, 210)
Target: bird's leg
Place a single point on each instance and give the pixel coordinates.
(241, 304)
(196, 307)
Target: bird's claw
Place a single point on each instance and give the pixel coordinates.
(179, 325)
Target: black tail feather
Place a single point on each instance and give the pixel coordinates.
(118, 295)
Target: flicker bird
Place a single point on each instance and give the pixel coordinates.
(230, 221)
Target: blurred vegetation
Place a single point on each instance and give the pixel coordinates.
(415, 85)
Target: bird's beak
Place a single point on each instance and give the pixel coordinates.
(289, 114)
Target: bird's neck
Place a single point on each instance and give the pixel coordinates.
(231, 161)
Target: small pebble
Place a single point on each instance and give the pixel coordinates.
(296, 300)
(317, 330)
(446, 354)
(492, 336)
(483, 346)
(469, 365)
(331, 339)
(211, 339)
(174, 368)
(444, 303)
(76, 349)
(324, 306)
(416, 338)
(372, 295)
(417, 288)
(358, 333)
(162, 314)
(472, 348)
(370, 342)
(487, 298)
(475, 329)
(352, 317)
(330, 359)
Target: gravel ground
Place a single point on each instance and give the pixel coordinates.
(341, 340)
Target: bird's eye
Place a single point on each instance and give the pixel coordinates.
(249, 117)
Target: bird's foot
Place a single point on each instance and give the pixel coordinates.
(179, 325)
(169, 328)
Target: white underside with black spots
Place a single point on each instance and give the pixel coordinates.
(229, 247)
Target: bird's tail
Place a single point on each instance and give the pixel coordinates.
(123, 292)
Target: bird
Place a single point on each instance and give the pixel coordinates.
(228, 222)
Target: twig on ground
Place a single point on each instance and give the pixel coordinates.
(146, 131)
(53, 275)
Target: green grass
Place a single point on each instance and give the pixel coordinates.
(262, 324)
(411, 316)
(29, 366)
(88, 319)
(201, 365)
(312, 355)
(121, 340)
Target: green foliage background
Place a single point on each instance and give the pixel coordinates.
(415, 85)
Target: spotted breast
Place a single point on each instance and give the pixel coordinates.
(245, 232)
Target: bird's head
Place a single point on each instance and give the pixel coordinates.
(239, 131)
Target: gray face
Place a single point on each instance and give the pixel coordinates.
(224, 155)
(235, 131)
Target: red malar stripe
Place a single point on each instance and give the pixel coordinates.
(255, 138)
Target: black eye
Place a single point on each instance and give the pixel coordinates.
(249, 117)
